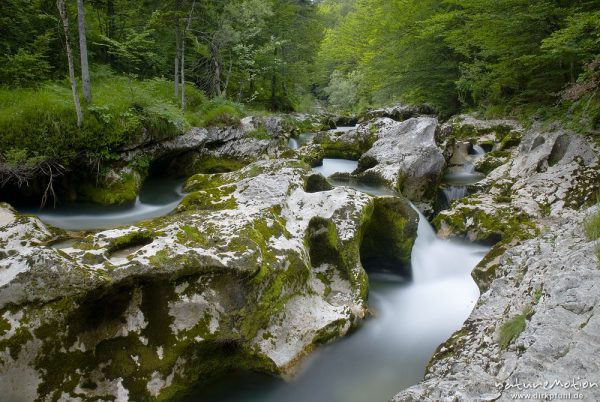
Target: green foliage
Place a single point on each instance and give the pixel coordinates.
(499, 55)
(221, 112)
(343, 90)
(592, 229)
(592, 226)
(40, 124)
(512, 328)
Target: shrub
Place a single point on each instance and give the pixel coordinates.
(221, 112)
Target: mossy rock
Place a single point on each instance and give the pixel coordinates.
(207, 164)
(119, 190)
(492, 161)
(389, 236)
(486, 225)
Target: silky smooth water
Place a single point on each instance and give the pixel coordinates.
(458, 180)
(390, 351)
(158, 197)
(301, 140)
(331, 166)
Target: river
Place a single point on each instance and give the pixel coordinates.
(390, 351)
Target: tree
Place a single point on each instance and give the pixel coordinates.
(83, 53)
(185, 31)
(62, 11)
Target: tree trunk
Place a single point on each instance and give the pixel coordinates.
(187, 28)
(274, 82)
(85, 68)
(177, 55)
(214, 55)
(110, 14)
(60, 4)
(226, 86)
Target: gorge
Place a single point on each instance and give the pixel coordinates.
(256, 272)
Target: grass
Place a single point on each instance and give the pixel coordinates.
(40, 123)
(512, 328)
(221, 112)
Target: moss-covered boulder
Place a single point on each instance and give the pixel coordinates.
(115, 187)
(491, 161)
(250, 272)
(348, 144)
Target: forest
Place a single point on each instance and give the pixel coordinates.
(168, 65)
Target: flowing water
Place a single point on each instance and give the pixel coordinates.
(387, 354)
(331, 166)
(158, 197)
(457, 181)
(301, 140)
(390, 352)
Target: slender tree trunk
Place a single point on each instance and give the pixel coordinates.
(60, 4)
(177, 55)
(283, 73)
(214, 55)
(183, 73)
(226, 86)
(187, 28)
(274, 81)
(85, 68)
(110, 14)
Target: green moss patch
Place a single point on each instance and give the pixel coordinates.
(389, 236)
(124, 191)
(208, 164)
(136, 238)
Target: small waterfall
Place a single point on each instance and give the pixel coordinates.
(331, 166)
(454, 193)
(434, 259)
(293, 143)
(478, 150)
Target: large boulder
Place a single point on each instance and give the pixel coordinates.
(250, 272)
(398, 112)
(346, 144)
(405, 157)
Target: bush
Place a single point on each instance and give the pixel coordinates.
(221, 112)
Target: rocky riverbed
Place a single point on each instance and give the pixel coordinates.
(263, 260)
(535, 332)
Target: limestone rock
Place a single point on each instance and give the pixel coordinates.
(406, 157)
(554, 278)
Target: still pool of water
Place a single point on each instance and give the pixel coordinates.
(157, 198)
